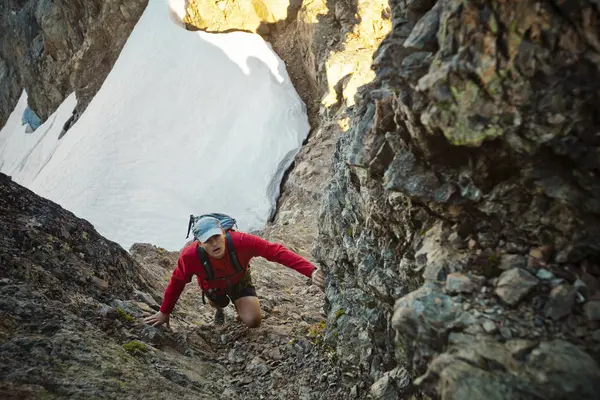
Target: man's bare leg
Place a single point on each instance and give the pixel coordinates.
(248, 309)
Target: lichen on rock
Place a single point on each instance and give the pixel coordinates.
(466, 155)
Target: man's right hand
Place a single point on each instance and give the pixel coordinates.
(318, 278)
(158, 319)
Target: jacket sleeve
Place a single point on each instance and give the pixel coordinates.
(179, 279)
(259, 247)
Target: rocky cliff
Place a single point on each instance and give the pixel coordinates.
(460, 229)
(52, 48)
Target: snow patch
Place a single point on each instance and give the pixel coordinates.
(23, 154)
(177, 11)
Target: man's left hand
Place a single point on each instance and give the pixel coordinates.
(318, 279)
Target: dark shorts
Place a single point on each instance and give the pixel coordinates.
(243, 288)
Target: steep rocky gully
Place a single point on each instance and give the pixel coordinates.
(449, 189)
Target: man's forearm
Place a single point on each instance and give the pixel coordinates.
(171, 296)
(284, 256)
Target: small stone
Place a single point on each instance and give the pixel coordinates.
(556, 282)
(392, 381)
(274, 354)
(544, 274)
(509, 261)
(459, 283)
(257, 366)
(100, 283)
(246, 380)
(472, 244)
(489, 326)
(581, 288)
(466, 306)
(474, 329)
(506, 333)
(581, 331)
(534, 263)
(592, 310)
(465, 319)
(560, 303)
(153, 335)
(487, 239)
(354, 392)
(108, 312)
(542, 253)
(591, 283)
(535, 253)
(145, 297)
(262, 369)
(427, 306)
(456, 241)
(539, 321)
(514, 284)
(515, 248)
(235, 356)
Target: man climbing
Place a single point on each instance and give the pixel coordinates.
(220, 260)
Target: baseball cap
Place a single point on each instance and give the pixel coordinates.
(206, 227)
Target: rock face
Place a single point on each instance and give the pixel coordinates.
(63, 321)
(474, 151)
(227, 15)
(328, 53)
(52, 48)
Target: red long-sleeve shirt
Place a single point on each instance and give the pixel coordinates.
(246, 247)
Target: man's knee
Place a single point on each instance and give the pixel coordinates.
(248, 309)
(252, 320)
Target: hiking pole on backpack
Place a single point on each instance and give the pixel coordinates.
(190, 223)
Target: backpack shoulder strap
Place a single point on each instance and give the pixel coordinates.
(232, 255)
(210, 274)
